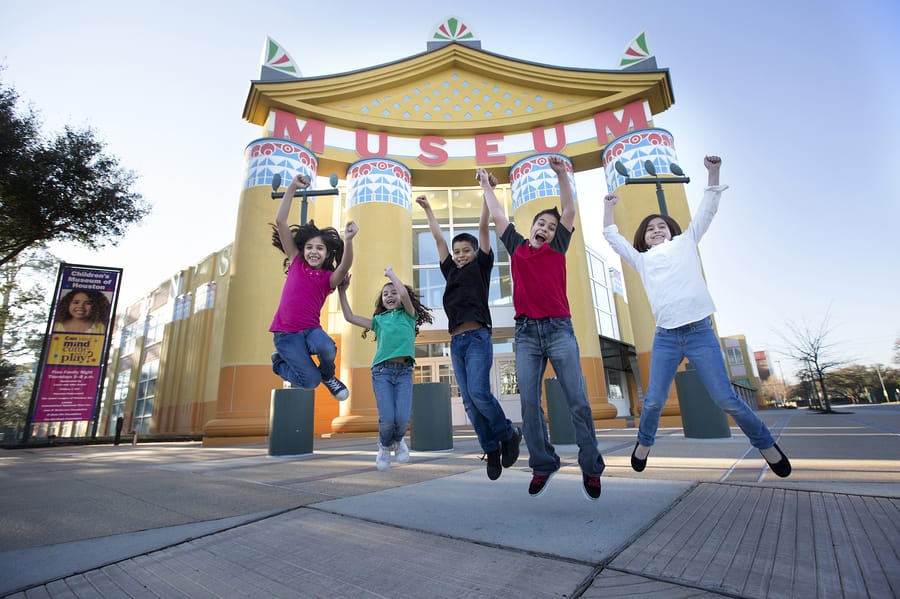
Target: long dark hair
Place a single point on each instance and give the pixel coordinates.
(423, 313)
(303, 233)
(640, 244)
(99, 309)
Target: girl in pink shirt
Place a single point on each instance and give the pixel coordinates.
(316, 261)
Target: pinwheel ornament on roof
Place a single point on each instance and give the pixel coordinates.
(637, 56)
(277, 64)
(452, 30)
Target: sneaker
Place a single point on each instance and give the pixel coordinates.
(401, 452)
(337, 388)
(383, 459)
(493, 464)
(510, 448)
(591, 487)
(539, 484)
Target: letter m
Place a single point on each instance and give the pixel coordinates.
(286, 126)
(609, 126)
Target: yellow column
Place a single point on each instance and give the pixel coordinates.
(534, 188)
(379, 199)
(256, 278)
(639, 201)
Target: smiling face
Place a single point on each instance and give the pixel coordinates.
(315, 252)
(390, 299)
(543, 230)
(81, 307)
(463, 253)
(657, 232)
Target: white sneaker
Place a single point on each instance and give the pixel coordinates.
(383, 459)
(401, 452)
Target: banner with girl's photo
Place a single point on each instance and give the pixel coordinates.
(79, 329)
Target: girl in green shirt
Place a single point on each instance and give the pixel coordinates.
(398, 315)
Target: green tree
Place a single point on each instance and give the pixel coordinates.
(24, 283)
(63, 189)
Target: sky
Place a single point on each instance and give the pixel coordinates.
(798, 98)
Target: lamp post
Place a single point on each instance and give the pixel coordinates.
(304, 193)
(654, 179)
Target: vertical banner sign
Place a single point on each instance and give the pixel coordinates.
(79, 332)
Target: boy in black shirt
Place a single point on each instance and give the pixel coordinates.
(468, 275)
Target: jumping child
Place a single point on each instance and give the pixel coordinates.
(669, 266)
(398, 315)
(544, 332)
(468, 275)
(316, 261)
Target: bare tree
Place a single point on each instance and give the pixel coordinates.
(810, 345)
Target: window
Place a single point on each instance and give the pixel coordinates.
(120, 395)
(457, 211)
(735, 356)
(143, 404)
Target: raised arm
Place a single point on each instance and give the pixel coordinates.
(491, 201)
(566, 192)
(435, 228)
(609, 203)
(343, 269)
(401, 291)
(284, 211)
(484, 236)
(349, 316)
(713, 164)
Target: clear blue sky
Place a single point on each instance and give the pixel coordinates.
(799, 98)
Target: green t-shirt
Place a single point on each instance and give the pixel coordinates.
(396, 334)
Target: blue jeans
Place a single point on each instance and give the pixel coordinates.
(392, 383)
(553, 339)
(472, 353)
(698, 343)
(294, 362)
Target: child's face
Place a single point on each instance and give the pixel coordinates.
(657, 232)
(463, 253)
(389, 297)
(81, 306)
(315, 252)
(543, 230)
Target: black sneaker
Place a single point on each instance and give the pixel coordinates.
(509, 449)
(337, 388)
(539, 484)
(591, 487)
(493, 464)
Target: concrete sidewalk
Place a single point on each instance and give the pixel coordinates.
(706, 519)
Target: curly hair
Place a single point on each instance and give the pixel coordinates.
(423, 313)
(303, 233)
(100, 306)
(640, 244)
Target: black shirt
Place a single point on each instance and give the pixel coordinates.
(466, 292)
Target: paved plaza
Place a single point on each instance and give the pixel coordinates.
(705, 519)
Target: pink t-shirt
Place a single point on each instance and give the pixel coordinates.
(302, 298)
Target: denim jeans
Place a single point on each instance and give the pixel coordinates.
(472, 353)
(537, 341)
(698, 343)
(294, 362)
(392, 383)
